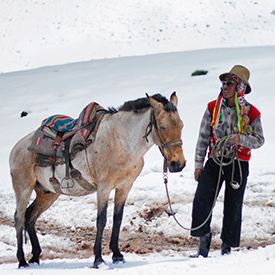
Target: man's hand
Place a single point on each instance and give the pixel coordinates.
(234, 139)
(197, 174)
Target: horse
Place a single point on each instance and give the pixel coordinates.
(112, 161)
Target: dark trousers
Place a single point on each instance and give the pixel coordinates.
(233, 200)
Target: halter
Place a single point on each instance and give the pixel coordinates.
(163, 145)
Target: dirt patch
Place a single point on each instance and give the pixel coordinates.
(82, 240)
(153, 212)
(4, 220)
(137, 242)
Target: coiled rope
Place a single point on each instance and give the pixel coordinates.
(221, 151)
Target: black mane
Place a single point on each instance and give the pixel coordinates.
(142, 104)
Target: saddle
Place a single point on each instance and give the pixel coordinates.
(60, 138)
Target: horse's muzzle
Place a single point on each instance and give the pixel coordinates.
(176, 166)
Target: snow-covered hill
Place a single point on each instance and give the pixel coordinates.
(39, 33)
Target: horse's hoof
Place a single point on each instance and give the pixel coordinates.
(23, 264)
(98, 263)
(117, 260)
(34, 261)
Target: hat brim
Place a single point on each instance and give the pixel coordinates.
(248, 87)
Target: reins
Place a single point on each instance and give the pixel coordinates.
(218, 154)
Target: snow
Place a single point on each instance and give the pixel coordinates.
(41, 33)
(38, 33)
(158, 264)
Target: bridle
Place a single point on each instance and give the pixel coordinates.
(174, 143)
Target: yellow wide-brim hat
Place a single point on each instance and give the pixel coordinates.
(241, 72)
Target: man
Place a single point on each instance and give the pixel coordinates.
(232, 118)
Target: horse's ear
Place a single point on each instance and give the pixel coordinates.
(154, 103)
(174, 99)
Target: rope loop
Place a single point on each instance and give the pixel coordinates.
(222, 150)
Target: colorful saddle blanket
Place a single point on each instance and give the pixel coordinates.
(61, 123)
(81, 131)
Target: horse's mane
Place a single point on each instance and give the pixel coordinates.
(142, 104)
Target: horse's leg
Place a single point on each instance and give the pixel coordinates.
(41, 203)
(120, 198)
(23, 180)
(22, 200)
(102, 204)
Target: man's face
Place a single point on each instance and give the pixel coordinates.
(229, 87)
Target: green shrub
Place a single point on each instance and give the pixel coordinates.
(199, 72)
(24, 114)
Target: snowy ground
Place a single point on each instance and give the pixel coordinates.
(68, 88)
(260, 261)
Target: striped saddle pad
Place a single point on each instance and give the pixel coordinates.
(61, 123)
(82, 131)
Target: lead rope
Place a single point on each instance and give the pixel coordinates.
(222, 147)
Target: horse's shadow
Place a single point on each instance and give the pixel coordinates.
(107, 266)
(60, 265)
(131, 264)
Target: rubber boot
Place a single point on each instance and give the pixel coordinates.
(226, 249)
(204, 246)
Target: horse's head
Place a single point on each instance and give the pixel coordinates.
(167, 131)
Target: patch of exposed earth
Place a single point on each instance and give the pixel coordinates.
(82, 240)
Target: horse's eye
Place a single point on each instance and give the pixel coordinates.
(162, 128)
